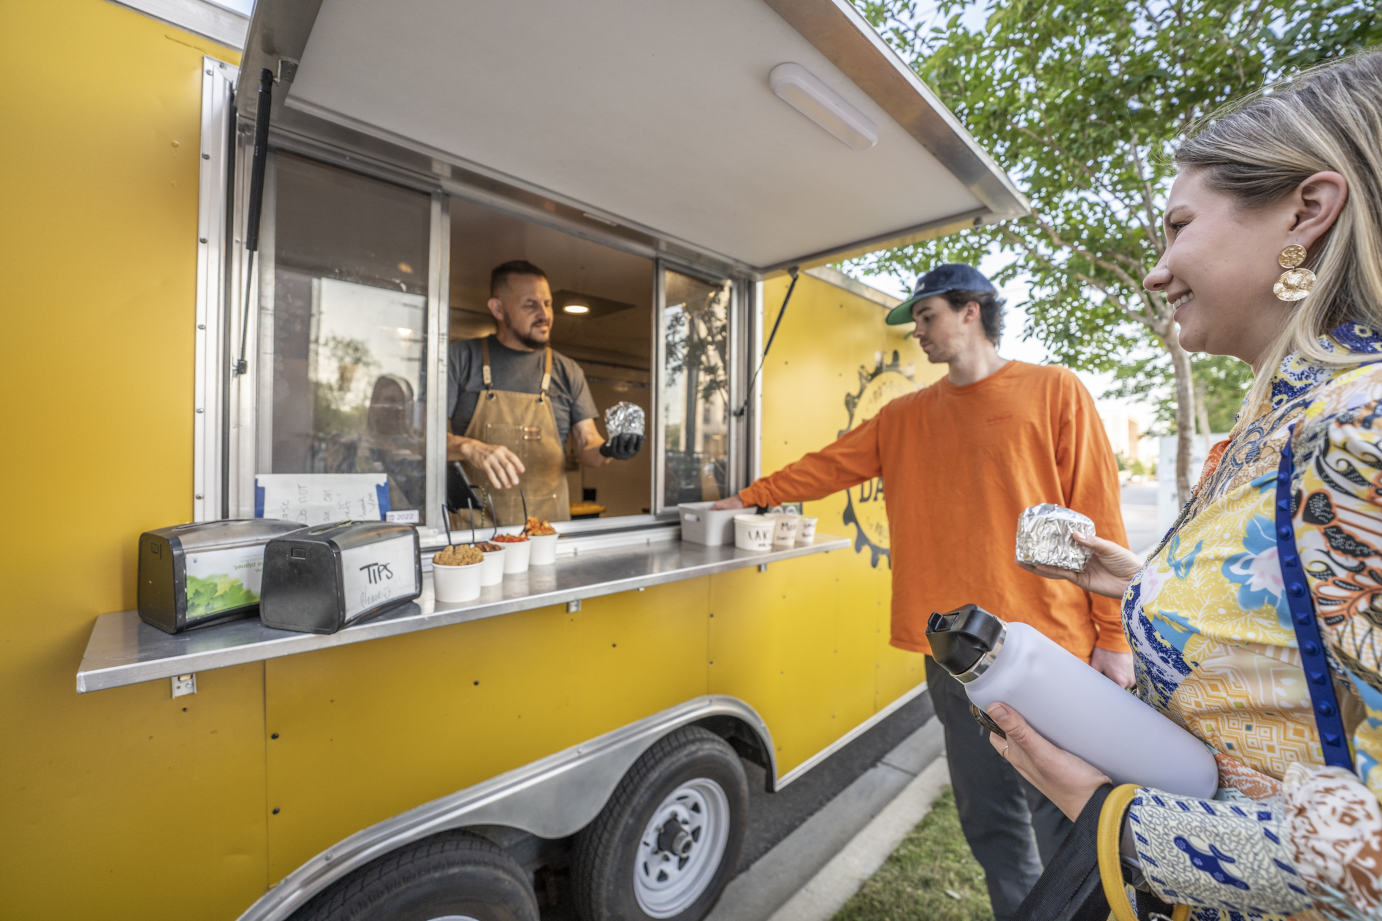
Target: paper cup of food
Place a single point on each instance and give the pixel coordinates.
(753, 532)
(807, 533)
(456, 573)
(543, 539)
(785, 528)
(492, 568)
(517, 550)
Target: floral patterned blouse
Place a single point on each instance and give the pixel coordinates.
(1211, 633)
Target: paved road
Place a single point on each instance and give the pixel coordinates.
(1139, 517)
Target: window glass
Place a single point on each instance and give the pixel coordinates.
(695, 389)
(346, 312)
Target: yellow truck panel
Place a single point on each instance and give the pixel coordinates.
(107, 798)
(370, 730)
(129, 803)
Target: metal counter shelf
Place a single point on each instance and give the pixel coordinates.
(124, 650)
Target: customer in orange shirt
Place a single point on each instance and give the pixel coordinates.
(960, 460)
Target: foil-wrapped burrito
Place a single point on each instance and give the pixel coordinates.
(1043, 537)
(624, 419)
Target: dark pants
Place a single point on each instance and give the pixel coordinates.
(1011, 828)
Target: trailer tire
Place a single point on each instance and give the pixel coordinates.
(449, 877)
(669, 838)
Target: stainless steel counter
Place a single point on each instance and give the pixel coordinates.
(125, 650)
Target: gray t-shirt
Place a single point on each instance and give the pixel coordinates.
(520, 372)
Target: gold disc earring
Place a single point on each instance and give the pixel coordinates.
(1294, 283)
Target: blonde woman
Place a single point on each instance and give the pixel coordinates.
(1273, 255)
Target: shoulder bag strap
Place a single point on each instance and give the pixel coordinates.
(1333, 738)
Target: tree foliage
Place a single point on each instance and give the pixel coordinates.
(1082, 103)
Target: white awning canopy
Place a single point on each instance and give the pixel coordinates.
(658, 114)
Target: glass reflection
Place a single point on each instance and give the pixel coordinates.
(348, 310)
(695, 389)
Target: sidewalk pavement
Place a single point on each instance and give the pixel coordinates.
(812, 872)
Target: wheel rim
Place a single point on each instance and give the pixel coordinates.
(681, 848)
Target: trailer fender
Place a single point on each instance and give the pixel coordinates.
(553, 797)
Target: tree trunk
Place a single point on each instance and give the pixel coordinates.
(1185, 415)
(1202, 410)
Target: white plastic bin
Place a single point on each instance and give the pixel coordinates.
(700, 524)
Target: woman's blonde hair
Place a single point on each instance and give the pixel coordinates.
(1327, 118)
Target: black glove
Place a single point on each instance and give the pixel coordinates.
(622, 447)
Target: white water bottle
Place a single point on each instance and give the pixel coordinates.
(1070, 703)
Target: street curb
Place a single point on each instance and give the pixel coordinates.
(810, 873)
(839, 879)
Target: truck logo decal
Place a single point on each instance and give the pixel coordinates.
(864, 507)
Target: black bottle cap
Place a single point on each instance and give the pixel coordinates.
(959, 637)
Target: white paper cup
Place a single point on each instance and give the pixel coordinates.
(544, 549)
(516, 556)
(492, 569)
(753, 532)
(808, 530)
(785, 528)
(456, 583)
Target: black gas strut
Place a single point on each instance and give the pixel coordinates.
(748, 392)
(261, 153)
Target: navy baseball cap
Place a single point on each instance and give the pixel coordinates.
(952, 276)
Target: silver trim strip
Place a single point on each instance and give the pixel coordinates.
(196, 16)
(551, 798)
(438, 313)
(833, 276)
(756, 337)
(209, 337)
(658, 380)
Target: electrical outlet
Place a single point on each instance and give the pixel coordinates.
(184, 685)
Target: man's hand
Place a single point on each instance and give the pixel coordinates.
(1114, 665)
(500, 464)
(1109, 570)
(1067, 780)
(729, 502)
(622, 447)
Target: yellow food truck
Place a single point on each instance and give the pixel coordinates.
(189, 311)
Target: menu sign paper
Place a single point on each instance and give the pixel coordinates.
(319, 498)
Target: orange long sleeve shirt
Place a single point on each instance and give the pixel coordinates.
(959, 464)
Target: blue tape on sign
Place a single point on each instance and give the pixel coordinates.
(258, 501)
(382, 491)
(1333, 739)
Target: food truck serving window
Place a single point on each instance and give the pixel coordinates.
(365, 288)
(342, 345)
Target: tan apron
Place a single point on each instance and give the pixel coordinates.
(525, 424)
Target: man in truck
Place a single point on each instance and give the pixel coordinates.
(960, 460)
(512, 401)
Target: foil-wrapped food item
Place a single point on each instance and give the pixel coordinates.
(624, 419)
(1043, 537)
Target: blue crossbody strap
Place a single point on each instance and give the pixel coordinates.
(1309, 641)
